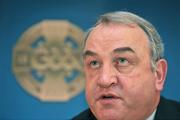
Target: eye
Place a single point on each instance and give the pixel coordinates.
(94, 64)
(121, 61)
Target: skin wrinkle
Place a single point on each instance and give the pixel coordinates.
(136, 88)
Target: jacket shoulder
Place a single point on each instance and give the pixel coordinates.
(168, 109)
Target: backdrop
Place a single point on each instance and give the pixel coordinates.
(18, 15)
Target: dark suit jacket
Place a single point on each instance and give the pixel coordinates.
(166, 110)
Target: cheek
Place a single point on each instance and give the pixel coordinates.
(140, 85)
(90, 91)
(91, 75)
(91, 84)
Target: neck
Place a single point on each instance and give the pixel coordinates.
(154, 104)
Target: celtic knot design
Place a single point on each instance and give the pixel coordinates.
(46, 61)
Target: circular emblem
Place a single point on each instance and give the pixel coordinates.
(47, 62)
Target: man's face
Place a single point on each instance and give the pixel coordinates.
(120, 83)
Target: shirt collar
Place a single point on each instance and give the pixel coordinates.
(151, 117)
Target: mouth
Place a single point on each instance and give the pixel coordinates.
(108, 98)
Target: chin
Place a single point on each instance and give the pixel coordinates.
(108, 114)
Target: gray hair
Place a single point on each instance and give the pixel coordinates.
(127, 18)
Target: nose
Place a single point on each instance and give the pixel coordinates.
(108, 76)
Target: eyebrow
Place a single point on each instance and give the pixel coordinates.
(89, 53)
(117, 50)
(123, 49)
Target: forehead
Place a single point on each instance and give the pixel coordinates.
(107, 37)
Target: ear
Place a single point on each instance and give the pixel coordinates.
(160, 73)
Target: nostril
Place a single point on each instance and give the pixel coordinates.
(107, 81)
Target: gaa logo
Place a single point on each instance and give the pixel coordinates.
(47, 60)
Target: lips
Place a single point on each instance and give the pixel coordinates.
(108, 96)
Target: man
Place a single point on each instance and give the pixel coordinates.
(125, 71)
